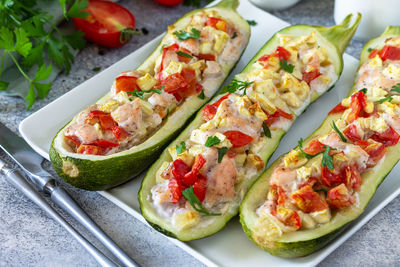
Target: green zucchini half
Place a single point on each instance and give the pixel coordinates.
(304, 242)
(335, 40)
(92, 172)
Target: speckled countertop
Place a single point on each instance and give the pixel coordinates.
(28, 237)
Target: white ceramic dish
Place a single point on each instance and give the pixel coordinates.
(230, 247)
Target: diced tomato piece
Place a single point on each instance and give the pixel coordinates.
(190, 77)
(307, 200)
(338, 109)
(389, 137)
(126, 84)
(93, 116)
(352, 177)
(278, 194)
(119, 133)
(199, 88)
(178, 97)
(310, 181)
(288, 217)
(314, 147)
(389, 52)
(173, 47)
(275, 117)
(179, 169)
(373, 53)
(107, 122)
(237, 138)
(209, 57)
(309, 76)
(104, 143)
(328, 177)
(351, 133)
(210, 110)
(217, 23)
(264, 58)
(357, 105)
(191, 177)
(282, 53)
(183, 58)
(375, 150)
(200, 187)
(339, 197)
(90, 150)
(174, 83)
(175, 188)
(74, 139)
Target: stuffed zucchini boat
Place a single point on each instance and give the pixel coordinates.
(197, 184)
(308, 195)
(115, 139)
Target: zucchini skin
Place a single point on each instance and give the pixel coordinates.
(103, 174)
(312, 244)
(346, 34)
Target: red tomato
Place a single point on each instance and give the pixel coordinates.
(126, 84)
(351, 133)
(314, 147)
(338, 109)
(179, 169)
(217, 23)
(183, 58)
(90, 150)
(173, 47)
(307, 200)
(373, 53)
(375, 150)
(389, 52)
(275, 117)
(109, 24)
(279, 194)
(210, 110)
(175, 188)
(174, 83)
(190, 77)
(288, 217)
(282, 53)
(352, 177)
(107, 122)
(104, 143)
(119, 133)
(237, 138)
(264, 58)
(93, 116)
(389, 137)
(329, 177)
(191, 177)
(209, 57)
(339, 197)
(74, 139)
(309, 76)
(169, 2)
(200, 187)
(357, 105)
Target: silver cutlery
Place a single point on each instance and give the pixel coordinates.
(31, 164)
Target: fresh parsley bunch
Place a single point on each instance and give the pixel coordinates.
(30, 32)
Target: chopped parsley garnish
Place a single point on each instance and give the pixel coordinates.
(370, 49)
(236, 85)
(96, 69)
(189, 194)
(201, 95)
(266, 129)
(212, 141)
(251, 22)
(305, 154)
(140, 94)
(327, 160)
(234, 35)
(285, 66)
(389, 98)
(396, 88)
(184, 35)
(180, 148)
(183, 54)
(221, 153)
(364, 90)
(344, 139)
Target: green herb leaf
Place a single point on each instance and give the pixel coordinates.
(306, 155)
(236, 85)
(234, 35)
(370, 49)
(344, 139)
(30, 97)
(327, 160)
(34, 57)
(201, 95)
(212, 141)
(42, 89)
(251, 22)
(180, 148)
(184, 35)
(140, 94)
(96, 69)
(380, 101)
(189, 194)
(3, 85)
(75, 40)
(364, 90)
(43, 73)
(63, 4)
(221, 153)
(396, 88)
(285, 66)
(183, 54)
(76, 9)
(6, 39)
(266, 129)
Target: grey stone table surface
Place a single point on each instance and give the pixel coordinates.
(28, 237)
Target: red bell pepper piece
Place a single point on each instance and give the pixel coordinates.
(200, 187)
(357, 105)
(191, 177)
(238, 139)
(217, 23)
(209, 57)
(210, 110)
(175, 188)
(389, 52)
(282, 53)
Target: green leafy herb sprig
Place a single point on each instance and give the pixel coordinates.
(251, 22)
(266, 129)
(285, 66)
(181, 147)
(189, 194)
(388, 98)
(184, 35)
(201, 95)
(140, 94)
(212, 141)
(396, 88)
(28, 31)
(221, 153)
(236, 85)
(327, 159)
(183, 54)
(341, 135)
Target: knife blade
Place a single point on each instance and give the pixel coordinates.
(31, 164)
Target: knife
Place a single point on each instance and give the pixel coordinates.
(31, 164)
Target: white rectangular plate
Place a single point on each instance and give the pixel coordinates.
(229, 247)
